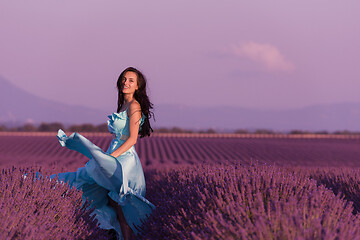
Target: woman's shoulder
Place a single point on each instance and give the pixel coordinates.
(134, 107)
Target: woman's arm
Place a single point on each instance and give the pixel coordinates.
(134, 113)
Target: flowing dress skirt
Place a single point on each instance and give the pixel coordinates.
(121, 178)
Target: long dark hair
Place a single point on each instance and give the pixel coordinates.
(140, 96)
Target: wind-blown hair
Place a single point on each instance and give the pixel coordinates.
(140, 96)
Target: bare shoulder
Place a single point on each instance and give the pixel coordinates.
(134, 108)
(135, 105)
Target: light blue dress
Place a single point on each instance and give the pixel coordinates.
(121, 178)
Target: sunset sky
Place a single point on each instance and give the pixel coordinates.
(255, 54)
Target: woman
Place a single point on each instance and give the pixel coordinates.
(114, 180)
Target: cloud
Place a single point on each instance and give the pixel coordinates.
(266, 54)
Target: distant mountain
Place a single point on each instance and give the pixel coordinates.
(332, 117)
(18, 107)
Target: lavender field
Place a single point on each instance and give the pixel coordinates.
(204, 187)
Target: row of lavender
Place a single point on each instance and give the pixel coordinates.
(202, 201)
(43, 209)
(255, 201)
(219, 194)
(160, 151)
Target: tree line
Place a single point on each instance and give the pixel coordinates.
(52, 127)
(88, 127)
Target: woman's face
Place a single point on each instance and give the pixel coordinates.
(129, 82)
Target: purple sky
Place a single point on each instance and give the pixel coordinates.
(268, 55)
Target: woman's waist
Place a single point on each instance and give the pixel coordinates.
(120, 137)
(117, 142)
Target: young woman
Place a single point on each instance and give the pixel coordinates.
(114, 180)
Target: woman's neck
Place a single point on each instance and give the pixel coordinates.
(128, 98)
